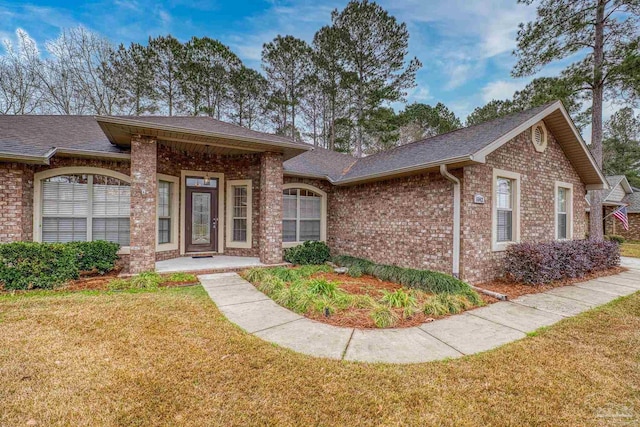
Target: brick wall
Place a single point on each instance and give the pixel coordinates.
(13, 218)
(539, 171)
(143, 204)
(405, 221)
(271, 218)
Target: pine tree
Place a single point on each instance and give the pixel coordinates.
(602, 37)
(373, 48)
(168, 53)
(621, 145)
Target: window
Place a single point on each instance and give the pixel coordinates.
(164, 211)
(564, 208)
(239, 213)
(504, 198)
(85, 207)
(303, 215)
(506, 209)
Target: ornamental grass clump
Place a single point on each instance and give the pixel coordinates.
(398, 299)
(383, 316)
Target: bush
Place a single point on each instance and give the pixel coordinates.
(425, 280)
(97, 256)
(354, 272)
(33, 265)
(538, 263)
(615, 238)
(398, 299)
(308, 253)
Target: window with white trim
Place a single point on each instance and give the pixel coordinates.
(302, 215)
(165, 191)
(239, 213)
(85, 207)
(564, 211)
(239, 199)
(504, 208)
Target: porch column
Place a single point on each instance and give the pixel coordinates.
(143, 204)
(271, 208)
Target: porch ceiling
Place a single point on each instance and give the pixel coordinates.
(242, 141)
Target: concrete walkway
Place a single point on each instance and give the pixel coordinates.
(470, 332)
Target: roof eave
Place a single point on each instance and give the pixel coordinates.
(408, 170)
(25, 158)
(105, 122)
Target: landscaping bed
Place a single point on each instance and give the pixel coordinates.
(513, 289)
(357, 299)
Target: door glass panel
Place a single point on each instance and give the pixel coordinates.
(202, 182)
(200, 218)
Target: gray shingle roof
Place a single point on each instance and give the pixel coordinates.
(35, 135)
(451, 145)
(633, 200)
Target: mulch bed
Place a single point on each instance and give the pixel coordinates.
(360, 318)
(514, 290)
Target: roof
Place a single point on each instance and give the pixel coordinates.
(35, 138)
(614, 181)
(633, 202)
(461, 147)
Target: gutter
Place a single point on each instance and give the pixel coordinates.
(456, 219)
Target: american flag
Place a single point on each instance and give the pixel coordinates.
(621, 214)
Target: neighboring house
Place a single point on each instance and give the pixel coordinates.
(620, 193)
(165, 187)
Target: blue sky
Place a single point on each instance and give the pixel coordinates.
(465, 45)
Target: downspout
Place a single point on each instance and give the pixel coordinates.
(456, 219)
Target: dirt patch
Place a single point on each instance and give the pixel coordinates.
(365, 285)
(513, 290)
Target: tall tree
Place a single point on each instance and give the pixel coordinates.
(621, 145)
(492, 110)
(373, 47)
(602, 36)
(131, 77)
(19, 88)
(381, 130)
(287, 61)
(327, 62)
(538, 92)
(418, 121)
(247, 96)
(169, 53)
(204, 75)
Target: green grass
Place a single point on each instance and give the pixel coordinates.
(399, 299)
(383, 316)
(630, 249)
(169, 357)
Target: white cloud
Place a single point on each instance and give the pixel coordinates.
(502, 89)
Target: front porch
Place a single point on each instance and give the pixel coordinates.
(215, 263)
(196, 193)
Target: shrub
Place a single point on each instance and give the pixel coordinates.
(97, 256)
(615, 238)
(383, 317)
(146, 280)
(308, 253)
(434, 307)
(538, 263)
(270, 285)
(354, 271)
(32, 265)
(426, 280)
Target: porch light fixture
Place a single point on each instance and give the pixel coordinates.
(207, 180)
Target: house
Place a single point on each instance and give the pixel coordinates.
(165, 187)
(620, 193)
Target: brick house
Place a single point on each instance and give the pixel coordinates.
(165, 187)
(621, 193)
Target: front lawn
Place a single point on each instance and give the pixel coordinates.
(169, 357)
(631, 249)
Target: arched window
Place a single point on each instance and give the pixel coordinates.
(304, 214)
(82, 204)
